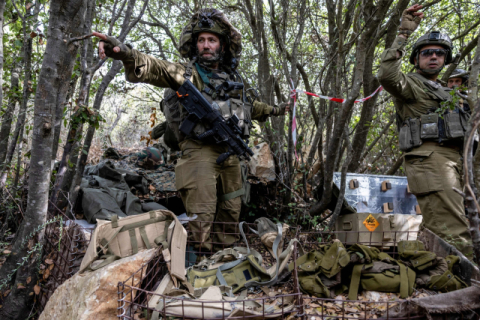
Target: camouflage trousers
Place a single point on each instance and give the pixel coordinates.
(432, 172)
(200, 181)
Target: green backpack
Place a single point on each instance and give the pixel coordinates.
(377, 271)
(319, 271)
(332, 270)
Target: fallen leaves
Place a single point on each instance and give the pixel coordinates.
(48, 261)
(36, 289)
(341, 307)
(46, 274)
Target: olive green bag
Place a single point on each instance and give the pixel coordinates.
(377, 271)
(328, 271)
(434, 273)
(221, 270)
(392, 276)
(320, 276)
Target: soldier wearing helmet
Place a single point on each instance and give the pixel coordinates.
(213, 48)
(458, 78)
(431, 127)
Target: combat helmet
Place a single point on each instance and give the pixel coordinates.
(214, 21)
(460, 73)
(430, 38)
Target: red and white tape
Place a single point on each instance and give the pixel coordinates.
(293, 94)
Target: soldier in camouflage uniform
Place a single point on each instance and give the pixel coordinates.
(213, 46)
(458, 78)
(431, 129)
(150, 158)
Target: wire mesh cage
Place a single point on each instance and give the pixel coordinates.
(369, 305)
(137, 297)
(65, 245)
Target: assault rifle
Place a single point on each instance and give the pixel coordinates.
(222, 130)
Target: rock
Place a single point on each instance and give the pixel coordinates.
(93, 295)
(262, 164)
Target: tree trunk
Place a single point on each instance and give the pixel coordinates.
(66, 18)
(115, 123)
(2, 9)
(59, 117)
(9, 113)
(22, 113)
(473, 86)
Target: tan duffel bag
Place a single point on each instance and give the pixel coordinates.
(119, 238)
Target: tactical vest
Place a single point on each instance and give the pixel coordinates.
(433, 126)
(220, 92)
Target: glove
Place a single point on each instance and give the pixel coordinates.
(409, 23)
(110, 43)
(158, 131)
(280, 110)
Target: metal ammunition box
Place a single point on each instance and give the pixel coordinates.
(377, 229)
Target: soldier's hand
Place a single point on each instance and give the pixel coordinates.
(112, 47)
(282, 109)
(410, 20)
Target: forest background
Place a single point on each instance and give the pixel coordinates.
(60, 102)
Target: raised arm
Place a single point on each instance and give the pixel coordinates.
(390, 74)
(140, 67)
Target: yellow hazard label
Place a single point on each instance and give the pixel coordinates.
(371, 223)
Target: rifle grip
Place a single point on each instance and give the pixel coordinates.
(223, 157)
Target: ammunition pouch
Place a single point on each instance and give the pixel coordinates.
(446, 282)
(432, 126)
(409, 136)
(429, 126)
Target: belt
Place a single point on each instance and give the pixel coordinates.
(446, 144)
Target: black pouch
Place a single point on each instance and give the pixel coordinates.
(405, 137)
(415, 132)
(453, 124)
(429, 126)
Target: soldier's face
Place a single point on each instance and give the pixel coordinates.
(430, 61)
(209, 47)
(454, 82)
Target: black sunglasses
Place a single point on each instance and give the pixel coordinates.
(429, 52)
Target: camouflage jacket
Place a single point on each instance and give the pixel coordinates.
(141, 67)
(413, 95)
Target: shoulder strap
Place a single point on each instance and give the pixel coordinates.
(188, 68)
